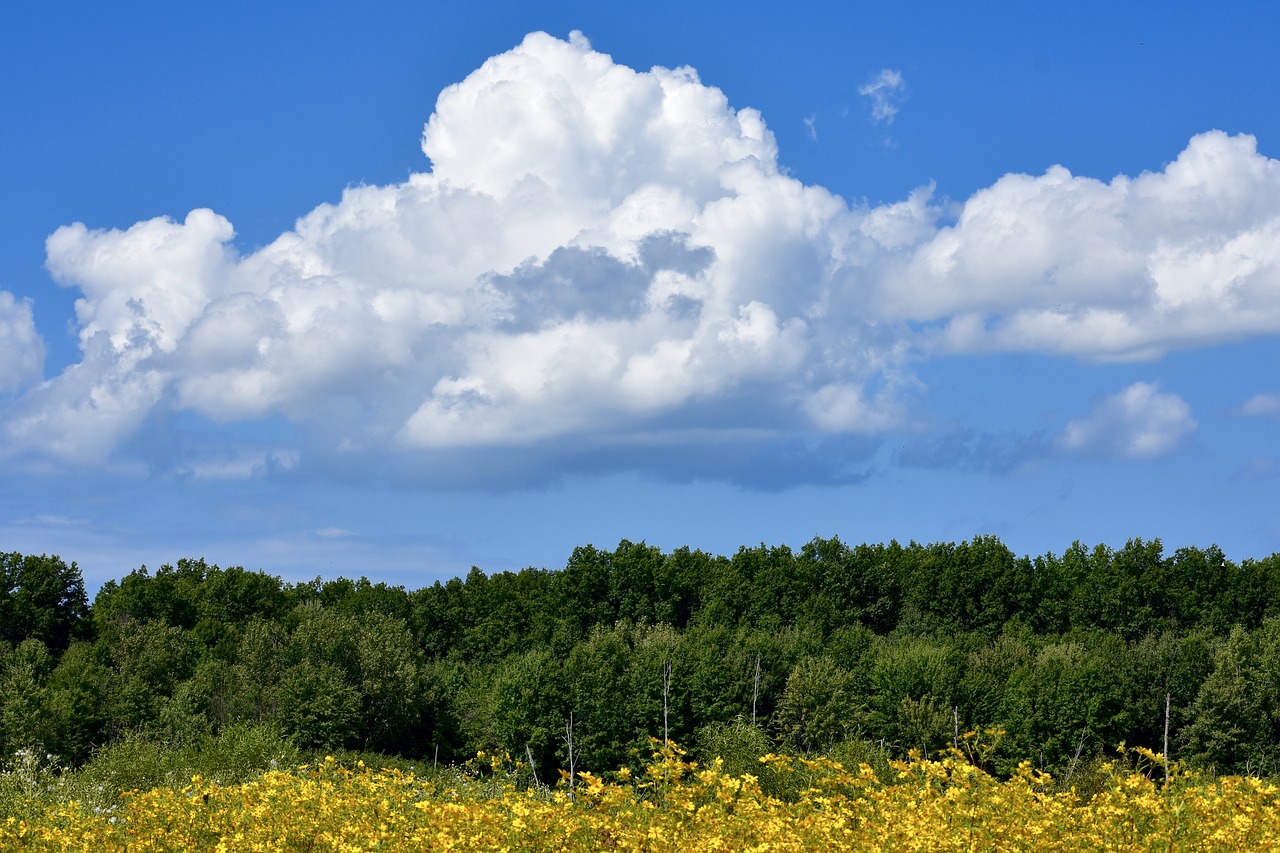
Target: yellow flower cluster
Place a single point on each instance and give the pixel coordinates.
(940, 805)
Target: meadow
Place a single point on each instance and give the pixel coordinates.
(943, 804)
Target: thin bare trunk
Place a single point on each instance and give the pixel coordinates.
(666, 693)
(532, 768)
(755, 690)
(568, 739)
(1079, 749)
(1166, 740)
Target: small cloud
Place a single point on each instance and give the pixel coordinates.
(1257, 468)
(1139, 422)
(335, 533)
(886, 90)
(1267, 405)
(811, 125)
(242, 466)
(44, 520)
(976, 451)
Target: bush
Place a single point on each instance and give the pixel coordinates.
(136, 762)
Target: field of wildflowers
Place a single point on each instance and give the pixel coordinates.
(675, 804)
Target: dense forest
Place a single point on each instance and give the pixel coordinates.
(869, 647)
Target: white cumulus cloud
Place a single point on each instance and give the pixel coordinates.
(600, 263)
(593, 249)
(1138, 422)
(1122, 270)
(21, 347)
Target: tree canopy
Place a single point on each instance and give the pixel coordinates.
(901, 646)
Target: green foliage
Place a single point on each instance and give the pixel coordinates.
(319, 708)
(527, 704)
(148, 661)
(135, 762)
(738, 744)
(872, 648)
(607, 725)
(976, 585)
(1234, 720)
(78, 703)
(211, 602)
(258, 671)
(820, 706)
(719, 663)
(41, 598)
(913, 679)
(1071, 701)
(25, 723)
(389, 683)
(989, 669)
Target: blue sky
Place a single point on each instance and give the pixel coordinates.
(405, 289)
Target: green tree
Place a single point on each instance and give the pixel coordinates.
(25, 722)
(42, 598)
(1191, 589)
(1234, 724)
(319, 708)
(976, 585)
(258, 671)
(390, 684)
(607, 724)
(658, 666)
(1256, 586)
(148, 661)
(377, 661)
(917, 669)
(778, 586)
(715, 680)
(77, 702)
(527, 708)
(820, 706)
(169, 597)
(1107, 586)
(989, 670)
(1171, 665)
(1072, 699)
(200, 704)
(677, 586)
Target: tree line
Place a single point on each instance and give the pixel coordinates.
(883, 648)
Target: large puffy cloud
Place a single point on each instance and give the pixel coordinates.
(21, 347)
(1120, 270)
(605, 263)
(593, 250)
(142, 288)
